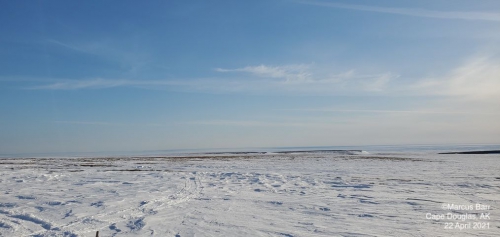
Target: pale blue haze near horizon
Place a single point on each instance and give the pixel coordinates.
(91, 76)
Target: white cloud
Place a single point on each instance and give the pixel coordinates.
(430, 112)
(88, 123)
(245, 123)
(352, 80)
(100, 83)
(291, 73)
(263, 79)
(478, 78)
(115, 51)
(304, 78)
(273, 122)
(68, 46)
(81, 84)
(483, 16)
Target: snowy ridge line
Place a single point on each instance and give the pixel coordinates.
(323, 151)
(199, 154)
(256, 153)
(282, 152)
(428, 148)
(334, 151)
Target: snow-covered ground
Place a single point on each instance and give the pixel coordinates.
(315, 194)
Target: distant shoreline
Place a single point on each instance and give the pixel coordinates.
(372, 149)
(280, 152)
(472, 152)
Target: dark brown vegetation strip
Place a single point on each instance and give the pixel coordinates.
(382, 158)
(473, 152)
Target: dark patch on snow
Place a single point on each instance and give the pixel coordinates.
(26, 197)
(8, 205)
(365, 215)
(136, 224)
(352, 186)
(5, 225)
(68, 214)
(113, 227)
(27, 217)
(65, 234)
(55, 203)
(97, 204)
(367, 201)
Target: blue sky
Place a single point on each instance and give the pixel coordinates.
(79, 76)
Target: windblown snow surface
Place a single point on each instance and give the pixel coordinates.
(306, 194)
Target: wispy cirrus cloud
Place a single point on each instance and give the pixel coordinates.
(81, 84)
(417, 12)
(291, 73)
(68, 46)
(113, 51)
(100, 83)
(354, 80)
(303, 77)
(477, 78)
(379, 111)
(252, 79)
(247, 123)
(265, 123)
(88, 123)
(101, 123)
(99, 48)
